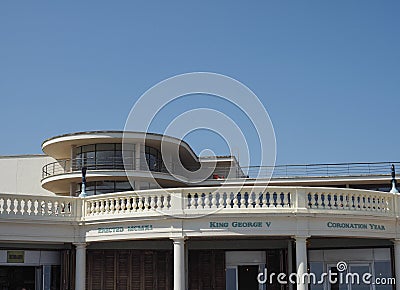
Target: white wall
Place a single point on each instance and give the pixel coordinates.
(22, 174)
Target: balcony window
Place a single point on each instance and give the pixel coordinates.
(102, 156)
(110, 156)
(154, 159)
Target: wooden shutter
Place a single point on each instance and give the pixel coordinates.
(129, 270)
(207, 270)
(122, 270)
(67, 279)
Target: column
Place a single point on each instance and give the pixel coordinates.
(301, 261)
(179, 263)
(80, 266)
(397, 262)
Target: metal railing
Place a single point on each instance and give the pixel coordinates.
(279, 171)
(110, 163)
(320, 170)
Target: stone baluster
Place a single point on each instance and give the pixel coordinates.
(361, 202)
(167, 202)
(358, 198)
(97, 207)
(329, 199)
(235, 200)
(146, 203)
(112, 206)
(123, 205)
(348, 201)
(242, 200)
(280, 196)
(200, 201)
(264, 200)
(56, 207)
(140, 203)
(213, 200)
(16, 206)
(285, 199)
(257, 199)
(222, 200)
(207, 200)
(134, 204)
(250, 200)
(336, 198)
(36, 207)
(1, 205)
(317, 200)
(117, 205)
(29, 206)
(8, 206)
(128, 204)
(106, 206)
(228, 200)
(159, 202)
(193, 201)
(153, 202)
(102, 201)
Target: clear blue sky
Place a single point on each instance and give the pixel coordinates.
(328, 72)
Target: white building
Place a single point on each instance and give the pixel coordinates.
(161, 232)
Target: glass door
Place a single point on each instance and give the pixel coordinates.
(247, 277)
(244, 277)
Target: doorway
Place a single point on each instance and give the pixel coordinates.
(247, 277)
(17, 277)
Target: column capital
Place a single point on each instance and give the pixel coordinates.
(301, 238)
(396, 242)
(178, 239)
(80, 245)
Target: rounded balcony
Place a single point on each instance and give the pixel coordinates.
(102, 154)
(59, 175)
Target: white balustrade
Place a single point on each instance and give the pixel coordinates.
(127, 203)
(350, 200)
(36, 206)
(238, 200)
(195, 200)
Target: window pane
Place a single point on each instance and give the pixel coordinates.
(317, 268)
(122, 186)
(88, 148)
(105, 187)
(105, 147)
(89, 160)
(105, 159)
(358, 284)
(231, 279)
(383, 269)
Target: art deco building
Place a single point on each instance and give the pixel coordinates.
(143, 224)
